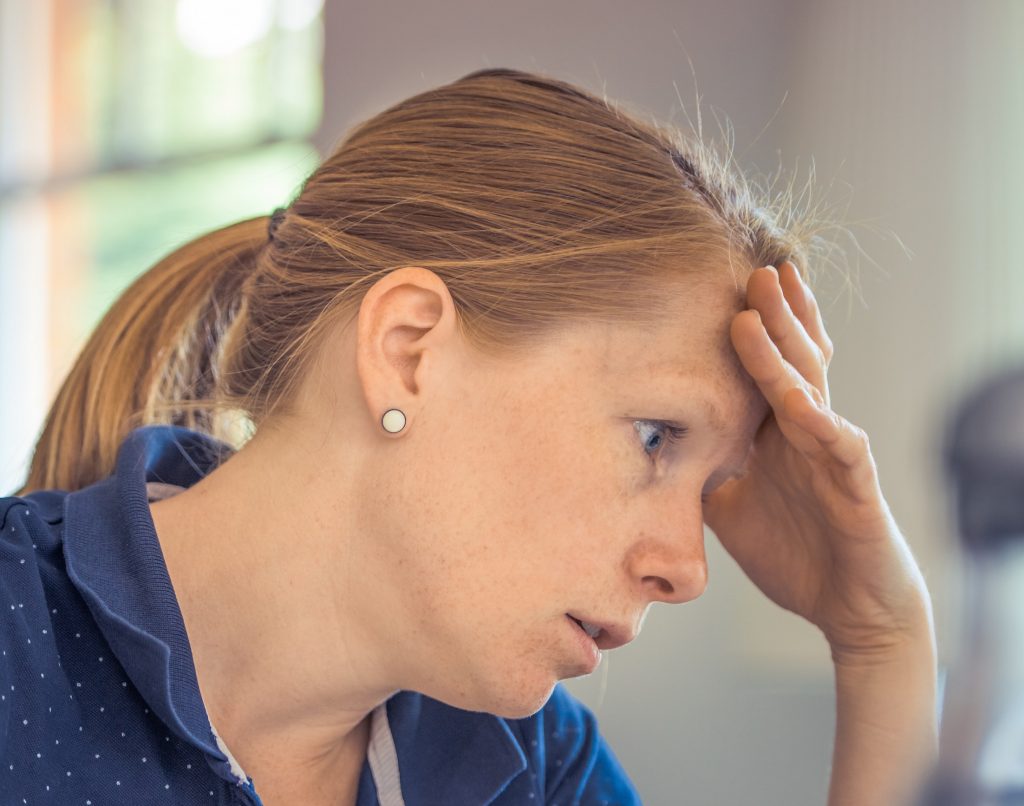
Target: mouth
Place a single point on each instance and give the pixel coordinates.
(590, 629)
(606, 635)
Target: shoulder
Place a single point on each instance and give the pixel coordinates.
(564, 741)
(31, 527)
(26, 526)
(31, 530)
(39, 509)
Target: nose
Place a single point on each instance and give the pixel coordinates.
(672, 571)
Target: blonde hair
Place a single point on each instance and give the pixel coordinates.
(535, 201)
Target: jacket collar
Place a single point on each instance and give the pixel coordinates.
(115, 561)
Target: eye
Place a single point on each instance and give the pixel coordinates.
(655, 433)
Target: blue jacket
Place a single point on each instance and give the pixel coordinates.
(99, 701)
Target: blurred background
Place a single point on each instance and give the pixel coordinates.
(129, 126)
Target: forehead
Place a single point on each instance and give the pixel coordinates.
(686, 353)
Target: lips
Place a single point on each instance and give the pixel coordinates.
(607, 635)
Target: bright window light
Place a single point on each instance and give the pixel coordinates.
(217, 28)
(294, 15)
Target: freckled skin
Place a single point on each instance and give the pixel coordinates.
(443, 559)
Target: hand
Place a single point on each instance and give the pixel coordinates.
(807, 521)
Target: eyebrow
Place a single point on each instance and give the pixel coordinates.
(717, 422)
(713, 415)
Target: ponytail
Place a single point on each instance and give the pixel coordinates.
(153, 358)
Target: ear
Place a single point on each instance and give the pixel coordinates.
(406, 322)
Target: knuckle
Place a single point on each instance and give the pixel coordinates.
(860, 435)
(779, 333)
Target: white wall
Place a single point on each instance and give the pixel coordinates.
(910, 111)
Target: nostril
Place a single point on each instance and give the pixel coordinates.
(663, 585)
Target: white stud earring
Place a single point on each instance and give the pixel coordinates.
(393, 421)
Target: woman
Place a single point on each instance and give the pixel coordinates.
(503, 356)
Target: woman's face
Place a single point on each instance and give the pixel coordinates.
(522, 492)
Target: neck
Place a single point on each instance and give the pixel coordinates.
(283, 636)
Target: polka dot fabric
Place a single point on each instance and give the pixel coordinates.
(99, 702)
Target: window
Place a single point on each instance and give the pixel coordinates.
(126, 128)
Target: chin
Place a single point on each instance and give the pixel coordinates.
(518, 709)
(501, 679)
(511, 696)
(519, 696)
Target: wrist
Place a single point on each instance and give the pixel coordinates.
(901, 671)
(894, 639)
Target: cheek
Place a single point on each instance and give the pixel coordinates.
(506, 520)
(560, 514)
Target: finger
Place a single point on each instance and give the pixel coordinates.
(774, 375)
(835, 439)
(766, 295)
(793, 287)
(805, 307)
(811, 427)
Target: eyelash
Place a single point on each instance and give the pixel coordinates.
(674, 434)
